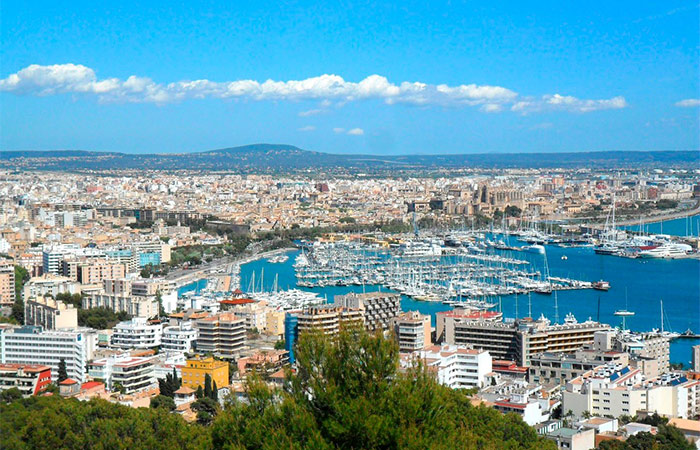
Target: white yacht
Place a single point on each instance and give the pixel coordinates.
(667, 251)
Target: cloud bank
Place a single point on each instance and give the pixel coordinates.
(57, 79)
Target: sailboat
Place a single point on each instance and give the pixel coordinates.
(664, 321)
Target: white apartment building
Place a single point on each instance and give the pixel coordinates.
(50, 314)
(378, 308)
(32, 345)
(137, 333)
(614, 391)
(457, 367)
(133, 374)
(179, 338)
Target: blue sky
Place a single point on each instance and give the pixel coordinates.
(352, 77)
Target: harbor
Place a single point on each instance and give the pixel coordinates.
(635, 284)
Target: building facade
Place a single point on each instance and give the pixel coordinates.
(196, 370)
(223, 335)
(50, 314)
(32, 345)
(137, 333)
(412, 331)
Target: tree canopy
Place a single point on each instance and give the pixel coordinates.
(348, 392)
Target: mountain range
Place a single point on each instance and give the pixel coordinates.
(280, 157)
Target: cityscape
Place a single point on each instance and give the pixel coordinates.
(381, 275)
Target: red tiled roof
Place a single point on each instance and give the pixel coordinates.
(68, 382)
(91, 385)
(237, 301)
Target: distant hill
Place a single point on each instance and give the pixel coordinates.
(280, 157)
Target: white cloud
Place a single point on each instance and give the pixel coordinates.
(310, 112)
(688, 103)
(559, 102)
(356, 132)
(307, 128)
(339, 130)
(327, 89)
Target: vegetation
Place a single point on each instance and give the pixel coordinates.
(170, 384)
(349, 393)
(346, 393)
(100, 318)
(74, 299)
(667, 438)
(53, 422)
(21, 277)
(62, 372)
(163, 401)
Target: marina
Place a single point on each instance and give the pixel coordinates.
(635, 284)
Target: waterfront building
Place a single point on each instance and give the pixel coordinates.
(412, 331)
(137, 333)
(521, 339)
(455, 367)
(223, 335)
(131, 373)
(7, 285)
(30, 379)
(32, 345)
(462, 314)
(378, 308)
(50, 314)
(196, 370)
(179, 338)
(327, 319)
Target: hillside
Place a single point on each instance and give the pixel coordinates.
(279, 157)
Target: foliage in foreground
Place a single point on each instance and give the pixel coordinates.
(53, 423)
(348, 393)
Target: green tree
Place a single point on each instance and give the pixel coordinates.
(161, 401)
(280, 345)
(10, 395)
(62, 372)
(347, 392)
(207, 386)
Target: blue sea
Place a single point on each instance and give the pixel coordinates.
(636, 285)
(685, 226)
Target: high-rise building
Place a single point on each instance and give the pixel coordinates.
(378, 308)
(412, 331)
(223, 335)
(32, 345)
(327, 319)
(7, 285)
(521, 339)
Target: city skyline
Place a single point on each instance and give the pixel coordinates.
(373, 79)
